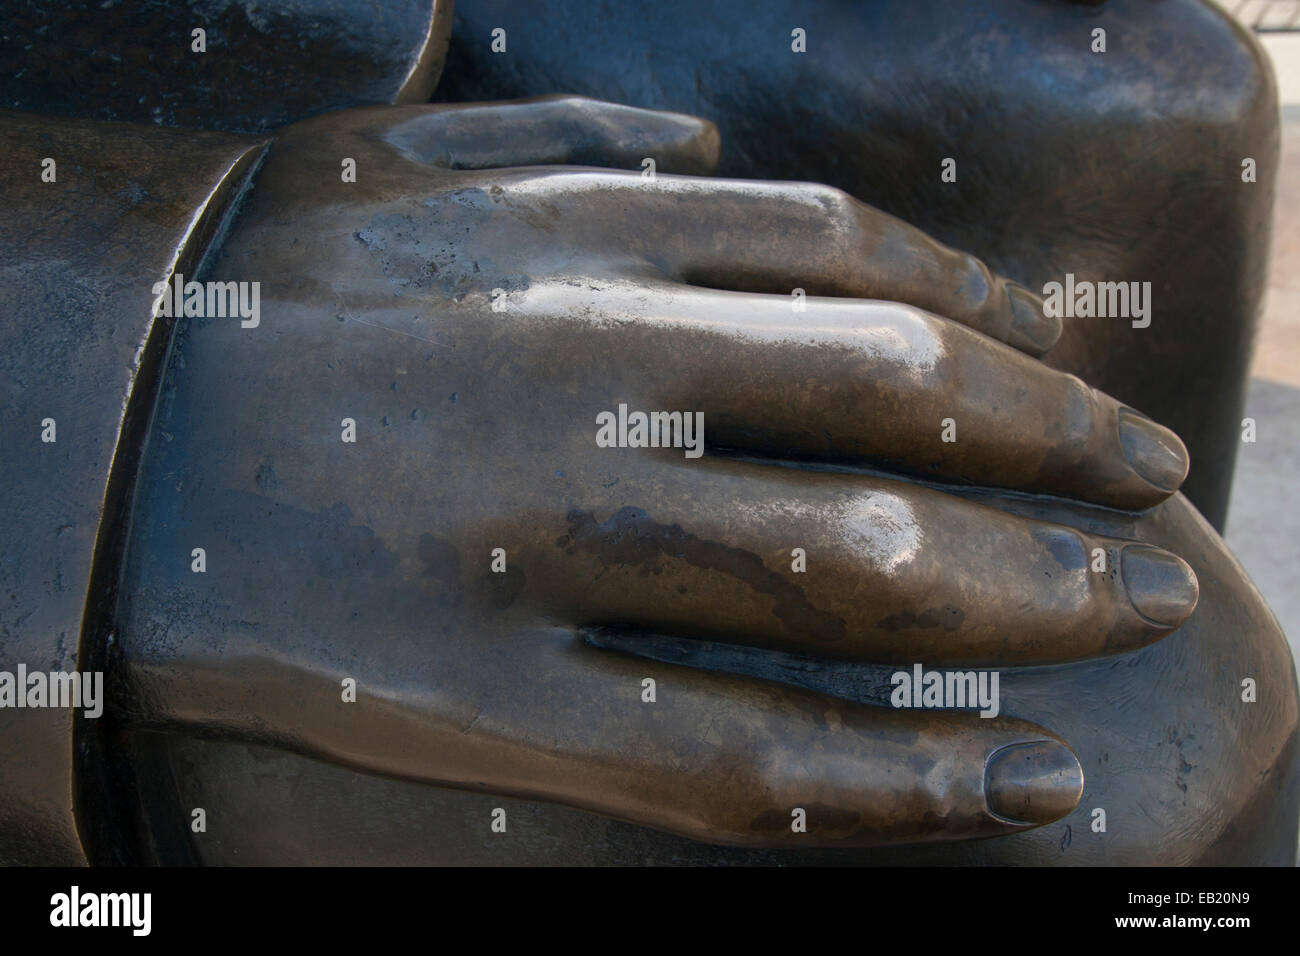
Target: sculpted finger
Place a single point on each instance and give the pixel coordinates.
(734, 760)
(777, 237)
(846, 566)
(872, 383)
(711, 756)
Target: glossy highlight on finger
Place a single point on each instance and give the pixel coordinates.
(1162, 586)
(1156, 454)
(1034, 783)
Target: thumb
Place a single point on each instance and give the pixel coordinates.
(555, 130)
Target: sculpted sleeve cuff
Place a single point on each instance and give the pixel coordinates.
(94, 215)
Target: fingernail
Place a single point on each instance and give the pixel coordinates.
(1155, 453)
(1033, 783)
(1161, 585)
(1031, 329)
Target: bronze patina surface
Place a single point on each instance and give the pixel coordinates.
(886, 476)
(1117, 166)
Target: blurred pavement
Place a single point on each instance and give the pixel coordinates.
(1264, 513)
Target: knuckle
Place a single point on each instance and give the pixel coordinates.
(573, 101)
(839, 206)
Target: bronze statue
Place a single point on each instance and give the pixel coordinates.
(1122, 160)
(393, 467)
(1063, 152)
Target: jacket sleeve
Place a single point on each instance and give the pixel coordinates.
(93, 216)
